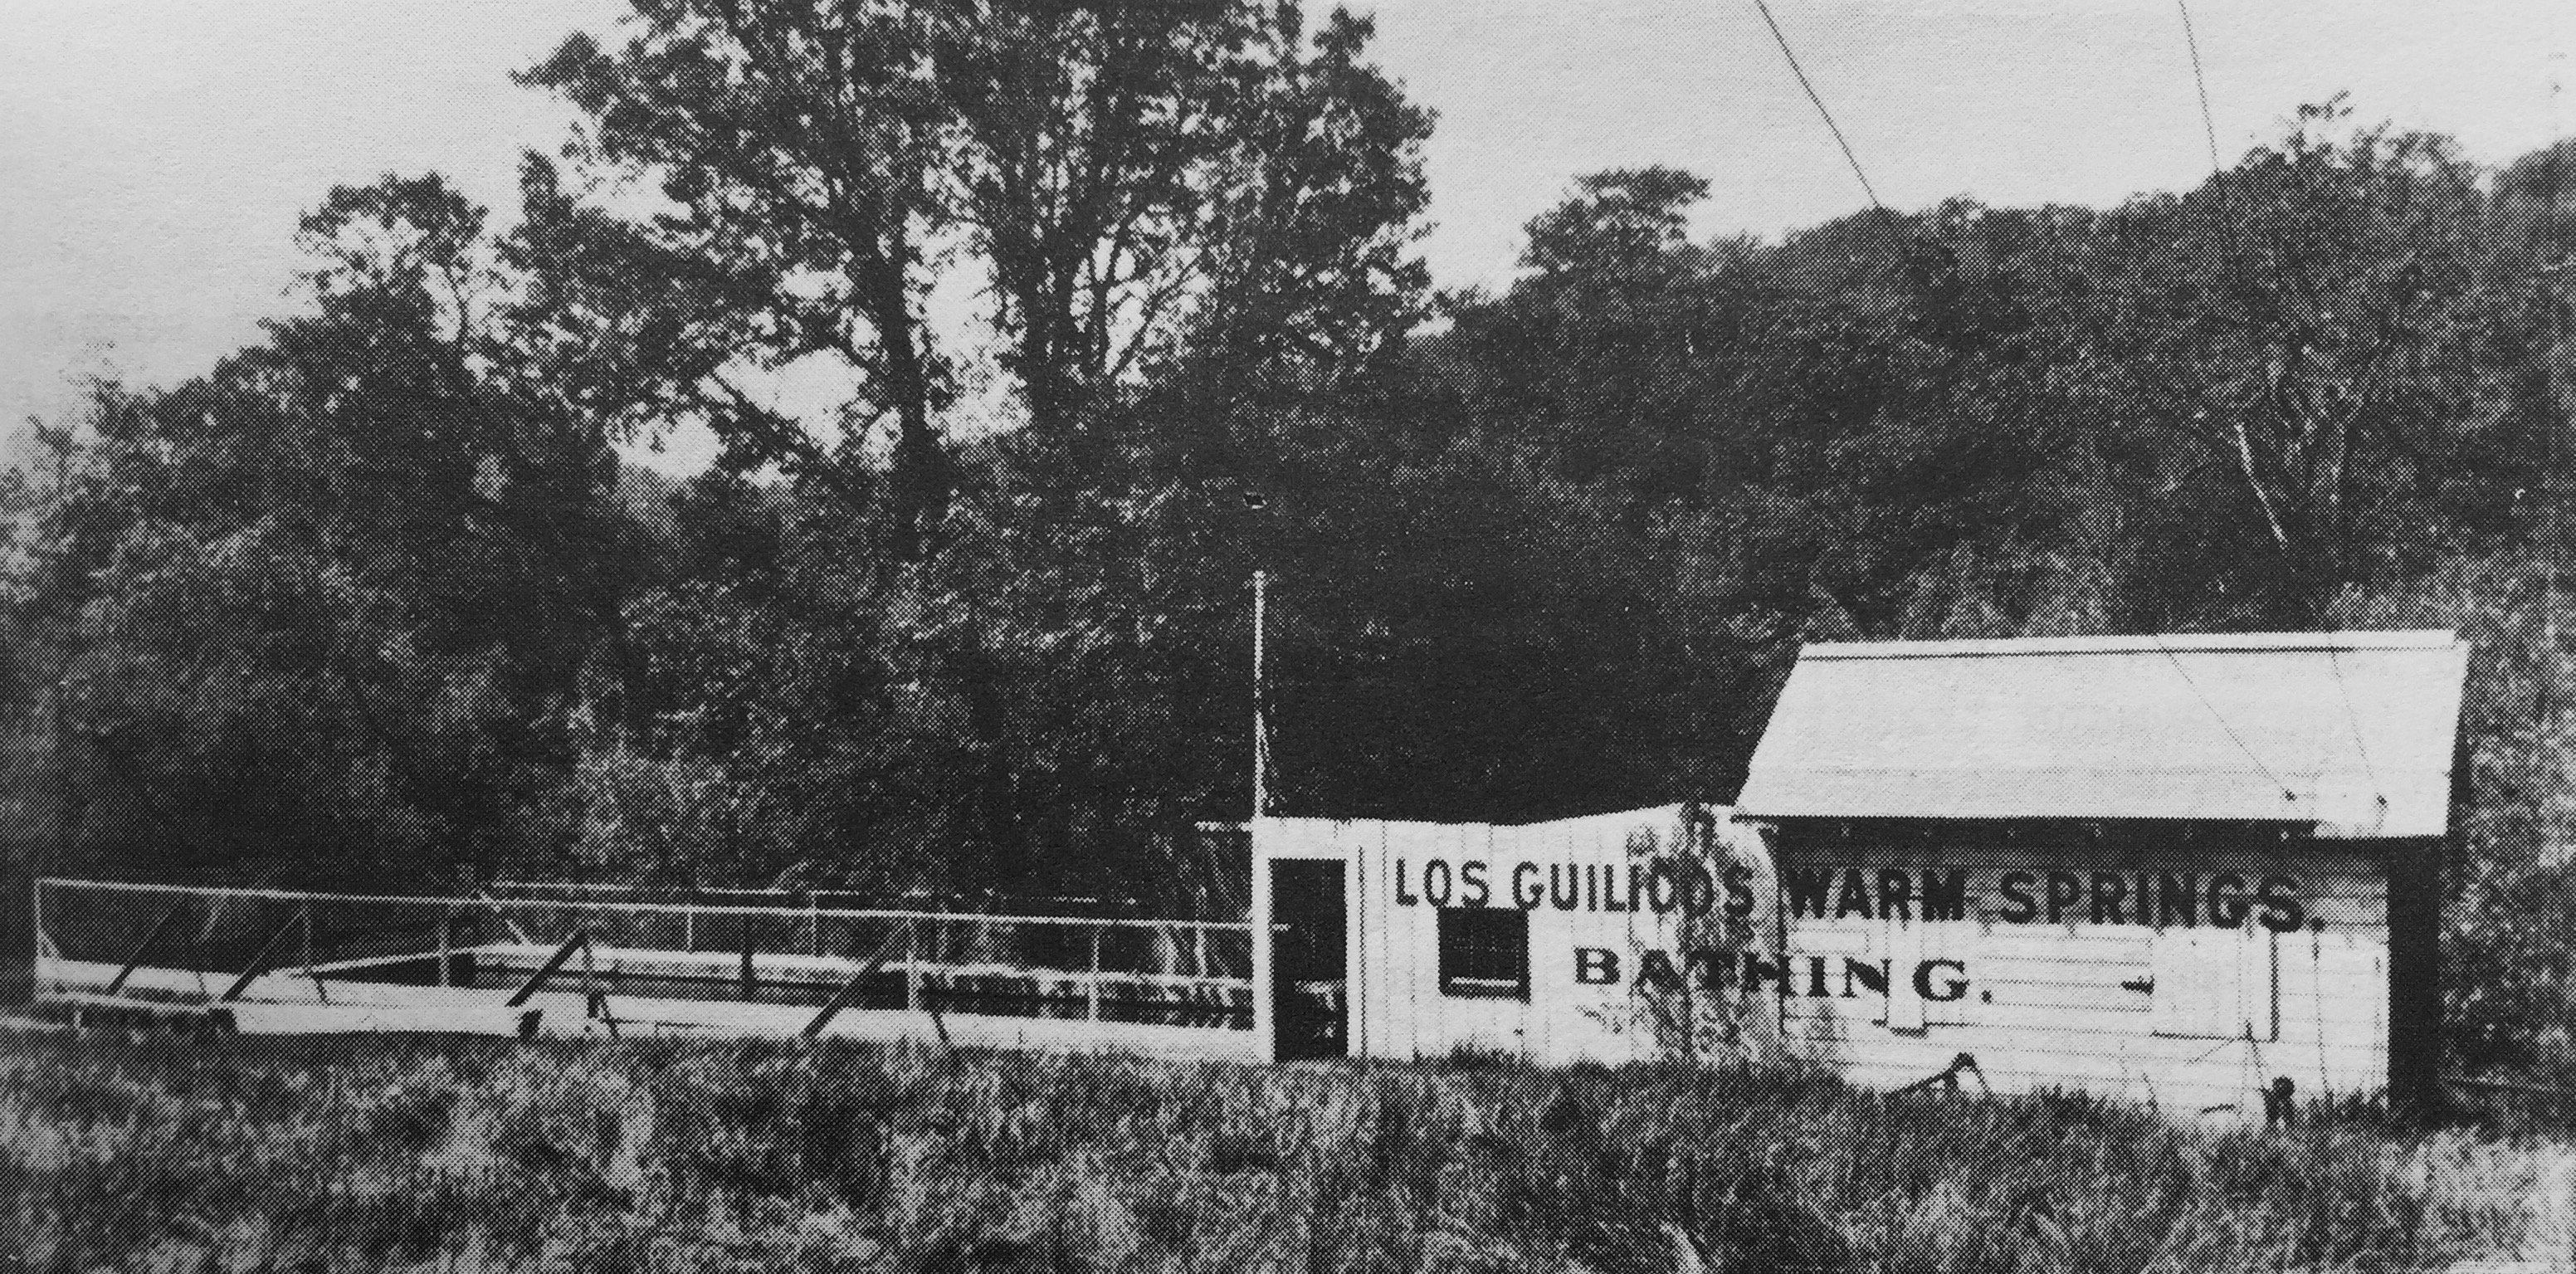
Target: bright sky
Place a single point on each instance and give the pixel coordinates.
(154, 154)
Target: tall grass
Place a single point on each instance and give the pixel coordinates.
(211, 1153)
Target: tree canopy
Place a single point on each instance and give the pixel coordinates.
(1117, 304)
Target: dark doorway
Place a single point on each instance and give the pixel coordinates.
(1309, 969)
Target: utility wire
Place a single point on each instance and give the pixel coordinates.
(2221, 718)
(2334, 662)
(1830, 125)
(2219, 187)
(1886, 219)
(2208, 123)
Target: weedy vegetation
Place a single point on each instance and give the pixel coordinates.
(212, 1153)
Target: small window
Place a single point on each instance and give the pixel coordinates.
(1484, 952)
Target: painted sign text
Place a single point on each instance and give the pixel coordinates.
(1660, 886)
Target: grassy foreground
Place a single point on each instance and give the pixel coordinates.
(206, 1153)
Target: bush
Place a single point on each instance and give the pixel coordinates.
(408, 1153)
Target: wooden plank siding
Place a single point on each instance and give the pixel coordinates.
(1397, 1004)
(2321, 768)
(2075, 1004)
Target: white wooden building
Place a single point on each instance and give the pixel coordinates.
(2173, 870)
(2176, 870)
(2180, 870)
(1586, 939)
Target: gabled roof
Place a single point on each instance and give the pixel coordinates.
(2351, 733)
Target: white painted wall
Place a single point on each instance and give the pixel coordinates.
(1606, 867)
(2147, 1012)
(2125, 1008)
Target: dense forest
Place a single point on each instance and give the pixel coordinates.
(376, 599)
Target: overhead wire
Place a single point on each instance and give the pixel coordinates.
(2306, 286)
(2221, 718)
(2208, 122)
(2334, 664)
(2334, 659)
(1763, 7)
(1886, 219)
(2209, 131)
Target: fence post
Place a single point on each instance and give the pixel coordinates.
(48, 955)
(259, 962)
(447, 947)
(476, 927)
(1094, 995)
(2551, 1244)
(813, 925)
(310, 974)
(580, 938)
(750, 980)
(912, 966)
(169, 920)
(594, 1000)
(849, 992)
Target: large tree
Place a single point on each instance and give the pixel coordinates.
(1104, 173)
(1141, 216)
(323, 609)
(2318, 329)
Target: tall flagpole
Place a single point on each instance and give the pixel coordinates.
(1260, 722)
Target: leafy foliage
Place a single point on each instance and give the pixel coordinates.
(1112, 306)
(2322, 331)
(323, 610)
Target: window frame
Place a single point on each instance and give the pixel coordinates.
(1457, 945)
(2211, 982)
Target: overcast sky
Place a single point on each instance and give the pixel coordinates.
(154, 154)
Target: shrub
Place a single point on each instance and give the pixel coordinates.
(478, 1155)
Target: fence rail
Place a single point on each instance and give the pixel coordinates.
(1082, 980)
(826, 898)
(501, 902)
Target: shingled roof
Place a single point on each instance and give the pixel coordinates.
(2350, 734)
